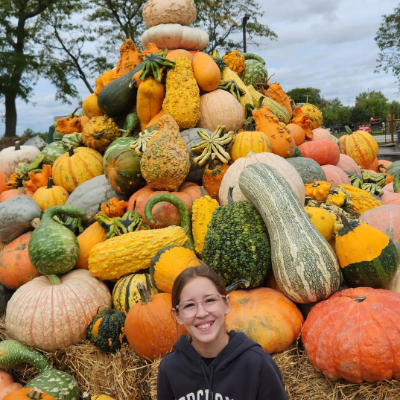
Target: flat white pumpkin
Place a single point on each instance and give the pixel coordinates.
(175, 36)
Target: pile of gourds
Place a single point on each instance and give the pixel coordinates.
(181, 156)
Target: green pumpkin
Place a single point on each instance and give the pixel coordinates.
(106, 329)
(367, 256)
(309, 170)
(53, 248)
(122, 143)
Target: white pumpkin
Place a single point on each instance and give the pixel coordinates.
(10, 157)
(231, 177)
(220, 108)
(156, 12)
(175, 36)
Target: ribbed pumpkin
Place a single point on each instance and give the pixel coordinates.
(220, 108)
(149, 326)
(10, 193)
(165, 162)
(212, 177)
(297, 132)
(63, 308)
(353, 335)
(90, 107)
(231, 177)
(16, 268)
(77, 166)
(125, 292)
(360, 146)
(367, 256)
(164, 214)
(50, 196)
(348, 165)
(265, 316)
(246, 141)
(335, 175)
(99, 132)
(206, 72)
(168, 263)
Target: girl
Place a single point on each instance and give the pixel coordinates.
(211, 364)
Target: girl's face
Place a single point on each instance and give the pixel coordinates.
(207, 324)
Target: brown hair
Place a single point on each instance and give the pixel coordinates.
(202, 270)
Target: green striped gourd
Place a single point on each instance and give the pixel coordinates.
(304, 264)
(53, 248)
(52, 151)
(56, 383)
(255, 71)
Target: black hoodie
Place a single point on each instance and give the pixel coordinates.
(241, 371)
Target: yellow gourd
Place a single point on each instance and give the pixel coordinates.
(361, 200)
(182, 98)
(323, 220)
(202, 211)
(149, 101)
(227, 75)
(318, 190)
(129, 253)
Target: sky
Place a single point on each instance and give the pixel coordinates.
(324, 44)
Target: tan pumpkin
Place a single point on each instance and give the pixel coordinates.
(220, 108)
(63, 309)
(90, 107)
(231, 177)
(321, 134)
(10, 193)
(206, 72)
(335, 175)
(10, 157)
(77, 166)
(247, 141)
(50, 196)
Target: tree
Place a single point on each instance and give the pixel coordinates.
(223, 21)
(387, 39)
(306, 95)
(20, 62)
(359, 115)
(374, 103)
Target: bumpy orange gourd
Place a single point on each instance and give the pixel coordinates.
(3, 182)
(149, 101)
(104, 79)
(90, 107)
(129, 57)
(235, 61)
(281, 141)
(303, 120)
(212, 176)
(165, 162)
(206, 72)
(266, 316)
(247, 141)
(38, 180)
(69, 125)
(275, 92)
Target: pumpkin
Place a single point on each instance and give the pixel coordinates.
(63, 308)
(163, 12)
(90, 107)
(335, 328)
(314, 114)
(129, 57)
(182, 98)
(149, 326)
(305, 266)
(76, 167)
(360, 146)
(7, 385)
(308, 169)
(17, 216)
(374, 165)
(303, 120)
(231, 177)
(220, 108)
(322, 151)
(265, 316)
(125, 292)
(12, 193)
(212, 176)
(106, 329)
(168, 263)
(165, 162)
(366, 255)
(235, 61)
(206, 72)
(3, 182)
(10, 157)
(28, 393)
(323, 220)
(299, 136)
(50, 196)
(383, 165)
(16, 268)
(281, 141)
(174, 54)
(257, 142)
(164, 214)
(320, 134)
(99, 132)
(175, 36)
(39, 179)
(335, 175)
(348, 165)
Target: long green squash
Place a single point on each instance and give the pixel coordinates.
(304, 264)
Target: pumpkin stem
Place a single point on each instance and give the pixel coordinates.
(145, 296)
(35, 394)
(35, 223)
(237, 284)
(50, 183)
(71, 151)
(72, 115)
(54, 280)
(17, 145)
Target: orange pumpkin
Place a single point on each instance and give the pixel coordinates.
(39, 180)
(28, 393)
(149, 326)
(206, 72)
(374, 165)
(87, 240)
(212, 177)
(173, 54)
(16, 268)
(266, 316)
(50, 196)
(322, 151)
(90, 107)
(164, 213)
(3, 182)
(10, 193)
(150, 49)
(245, 142)
(299, 136)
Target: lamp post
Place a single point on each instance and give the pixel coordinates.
(245, 19)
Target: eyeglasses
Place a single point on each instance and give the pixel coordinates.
(189, 308)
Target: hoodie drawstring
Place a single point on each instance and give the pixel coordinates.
(209, 382)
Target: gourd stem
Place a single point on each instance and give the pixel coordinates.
(99, 134)
(70, 211)
(50, 183)
(211, 162)
(71, 151)
(145, 296)
(236, 285)
(35, 394)
(54, 280)
(73, 112)
(18, 145)
(230, 198)
(345, 222)
(203, 192)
